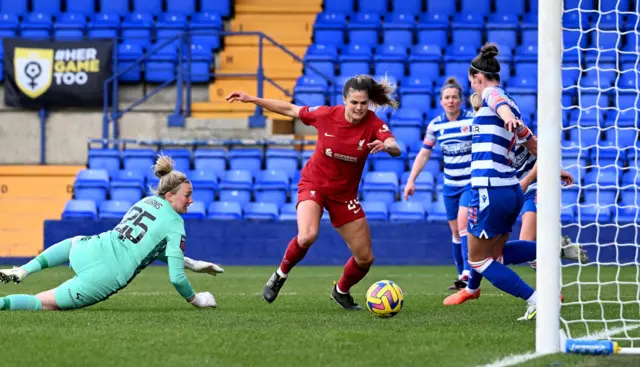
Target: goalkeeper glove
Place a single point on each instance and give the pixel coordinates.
(198, 266)
(203, 299)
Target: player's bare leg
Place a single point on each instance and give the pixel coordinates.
(358, 237)
(309, 214)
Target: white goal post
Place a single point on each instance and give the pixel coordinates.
(597, 112)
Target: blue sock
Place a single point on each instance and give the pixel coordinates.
(474, 280)
(507, 280)
(518, 252)
(465, 252)
(55, 255)
(20, 302)
(457, 256)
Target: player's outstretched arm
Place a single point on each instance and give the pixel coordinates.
(273, 105)
(199, 266)
(530, 177)
(418, 165)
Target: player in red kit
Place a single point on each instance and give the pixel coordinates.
(330, 179)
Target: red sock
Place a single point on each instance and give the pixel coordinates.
(292, 256)
(352, 274)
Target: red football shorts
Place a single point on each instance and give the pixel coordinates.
(341, 212)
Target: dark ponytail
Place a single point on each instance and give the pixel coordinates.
(486, 63)
(380, 94)
(451, 82)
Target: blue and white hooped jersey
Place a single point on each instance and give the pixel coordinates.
(492, 145)
(455, 141)
(523, 160)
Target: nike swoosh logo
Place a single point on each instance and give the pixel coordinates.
(356, 211)
(331, 136)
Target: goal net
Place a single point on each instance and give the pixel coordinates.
(600, 100)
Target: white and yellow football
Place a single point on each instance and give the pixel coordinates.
(384, 299)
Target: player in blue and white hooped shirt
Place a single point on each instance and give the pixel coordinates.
(496, 195)
(452, 129)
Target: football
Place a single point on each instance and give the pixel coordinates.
(384, 299)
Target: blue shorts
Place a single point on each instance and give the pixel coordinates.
(453, 202)
(494, 210)
(530, 204)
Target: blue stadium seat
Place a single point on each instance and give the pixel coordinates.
(170, 26)
(293, 187)
(127, 186)
(631, 177)
(9, 24)
(511, 6)
(406, 6)
(114, 209)
(282, 159)
(355, 59)
(398, 29)
(592, 213)
(407, 131)
(214, 160)
(205, 185)
(119, 7)
(602, 177)
(91, 184)
(222, 7)
(17, 7)
(310, 91)
(186, 7)
(288, 212)
(139, 159)
(416, 93)
(446, 7)
(363, 29)
(523, 88)
(236, 185)
(339, 6)
(437, 212)
(603, 59)
(161, 66)
(390, 60)
(322, 58)
(622, 138)
(104, 25)
(36, 26)
(261, 211)
(51, 7)
(476, 6)
(456, 60)
(380, 186)
(375, 210)
(372, 6)
(181, 157)
(424, 61)
(136, 29)
(249, 159)
(329, 28)
(570, 196)
(625, 101)
(81, 7)
(424, 187)
(432, 28)
(598, 79)
(80, 209)
(585, 137)
(271, 187)
(205, 28)
(406, 211)
(608, 5)
(196, 210)
(153, 7)
(466, 28)
(152, 182)
(201, 60)
(70, 27)
(600, 196)
(225, 210)
(128, 54)
(386, 163)
(107, 159)
(568, 214)
(502, 29)
(622, 119)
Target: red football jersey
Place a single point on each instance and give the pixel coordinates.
(335, 168)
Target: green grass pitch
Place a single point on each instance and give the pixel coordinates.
(149, 324)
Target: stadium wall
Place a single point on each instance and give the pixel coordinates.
(263, 243)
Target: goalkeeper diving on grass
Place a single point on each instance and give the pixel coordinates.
(105, 263)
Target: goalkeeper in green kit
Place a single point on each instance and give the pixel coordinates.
(151, 230)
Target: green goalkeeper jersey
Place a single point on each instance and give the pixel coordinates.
(150, 230)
